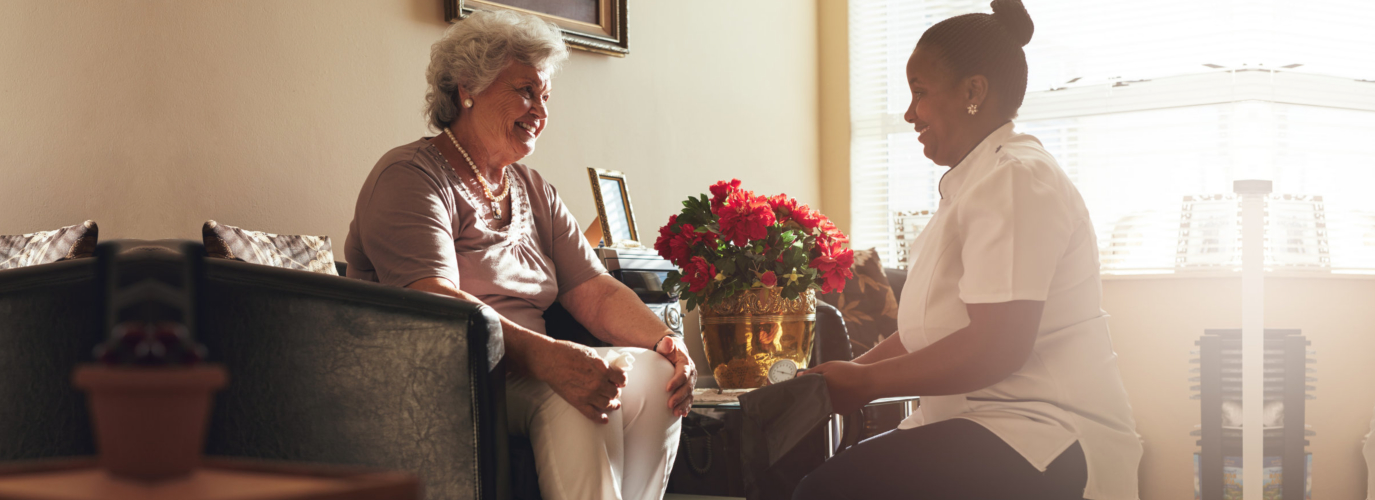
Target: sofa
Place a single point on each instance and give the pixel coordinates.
(51, 316)
(322, 368)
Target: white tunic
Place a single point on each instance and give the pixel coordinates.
(1011, 226)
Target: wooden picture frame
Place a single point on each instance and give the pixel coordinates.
(614, 211)
(592, 25)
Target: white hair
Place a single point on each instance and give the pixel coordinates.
(474, 50)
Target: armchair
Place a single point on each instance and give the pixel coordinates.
(332, 370)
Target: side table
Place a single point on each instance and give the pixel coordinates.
(217, 479)
(729, 399)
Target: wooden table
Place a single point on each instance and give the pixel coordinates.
(217, 479)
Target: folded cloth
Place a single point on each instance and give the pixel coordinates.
(783, 435)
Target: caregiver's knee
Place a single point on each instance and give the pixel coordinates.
(816, 486)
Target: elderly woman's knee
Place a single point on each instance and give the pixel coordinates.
(659, 366)
(650, 369)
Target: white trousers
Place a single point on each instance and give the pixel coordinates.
(628, 458)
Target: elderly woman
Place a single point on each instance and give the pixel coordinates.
(454, 214)
(1000, 328)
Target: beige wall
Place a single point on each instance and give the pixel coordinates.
(833, 57)
(152, 116)
(1155, 322)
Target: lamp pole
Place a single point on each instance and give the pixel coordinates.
(1252, 193)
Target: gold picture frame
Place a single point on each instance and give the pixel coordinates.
(614, 210)
(592, 25)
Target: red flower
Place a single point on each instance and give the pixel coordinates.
(721, 190)
(835, 265)
(829, 239)
(807, 218)
(697, 273)
(783, 207)
(745, 217)
(769, 279)
(666, 235)
(680, 247)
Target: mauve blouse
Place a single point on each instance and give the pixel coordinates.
(416, 219)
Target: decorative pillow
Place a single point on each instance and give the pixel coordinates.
(305, 253)
(868, 305)
(71, 242)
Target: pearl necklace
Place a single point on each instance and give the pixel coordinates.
(486, 189)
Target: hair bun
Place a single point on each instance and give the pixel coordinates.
(1011, 14)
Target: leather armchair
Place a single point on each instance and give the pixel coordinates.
(332, 370)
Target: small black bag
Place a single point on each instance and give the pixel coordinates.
(708, 460)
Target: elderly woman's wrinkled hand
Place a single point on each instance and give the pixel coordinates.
(582, 378)
(684, 374)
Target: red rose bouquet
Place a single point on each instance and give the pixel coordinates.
(737, 240)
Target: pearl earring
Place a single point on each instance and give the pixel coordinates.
(973, 109)
(467, 103)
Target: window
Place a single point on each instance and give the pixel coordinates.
(1152, 109)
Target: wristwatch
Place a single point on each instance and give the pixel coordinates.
(655, 347)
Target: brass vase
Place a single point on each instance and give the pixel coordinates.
(748, 334)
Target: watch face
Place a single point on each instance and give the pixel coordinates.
(782, 370)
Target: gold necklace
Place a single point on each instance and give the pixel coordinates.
(486, 189)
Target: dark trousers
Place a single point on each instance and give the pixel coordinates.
(952, 459)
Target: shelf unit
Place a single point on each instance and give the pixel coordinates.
(1286, 378)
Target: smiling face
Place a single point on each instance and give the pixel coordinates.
(509, 115)
(939, 108)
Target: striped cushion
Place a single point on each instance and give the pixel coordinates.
(305, 253)
(71, 242)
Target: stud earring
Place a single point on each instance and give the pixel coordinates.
(467, 103)
(973, 109)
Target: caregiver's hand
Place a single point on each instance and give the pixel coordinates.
(847, 384)
(581, 378)
(684, 374)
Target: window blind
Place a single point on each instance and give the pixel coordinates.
(1144, 105)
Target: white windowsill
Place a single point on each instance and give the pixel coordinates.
(1339, 275)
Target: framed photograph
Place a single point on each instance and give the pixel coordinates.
(613, 208)
(591, 25)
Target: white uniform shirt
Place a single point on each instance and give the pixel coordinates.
(1011, 226)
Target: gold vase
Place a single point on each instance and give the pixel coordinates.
(749, 333)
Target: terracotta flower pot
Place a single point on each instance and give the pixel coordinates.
(150, 421)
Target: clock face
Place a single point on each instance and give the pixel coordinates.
(782, 370)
